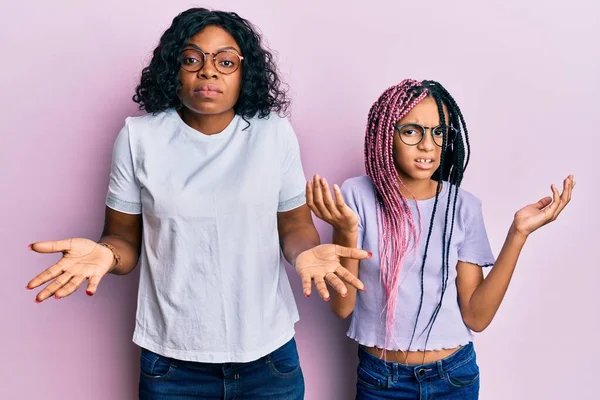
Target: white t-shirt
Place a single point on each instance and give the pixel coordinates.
(213, 286)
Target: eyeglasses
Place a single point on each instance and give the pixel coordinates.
(225, 61)
(413, 134)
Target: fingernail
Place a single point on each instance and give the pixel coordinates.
(345, 295)
(89, 293)
(28, 288)
(326, 299)
(363, 289)
(370, 254)
(56, 297)
(30, 247)
(37, 301)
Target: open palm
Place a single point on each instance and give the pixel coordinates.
(533, 216)
(321, 264)
(82, 260)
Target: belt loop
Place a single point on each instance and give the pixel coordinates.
(395, 372)
(440, 367)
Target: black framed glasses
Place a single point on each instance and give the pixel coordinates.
(225, 61)
(413, 134)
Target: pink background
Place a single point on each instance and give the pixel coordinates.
(527, 79)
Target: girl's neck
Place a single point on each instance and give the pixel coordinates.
(421, 189)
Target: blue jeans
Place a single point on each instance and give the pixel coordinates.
(454, 377)
(275, 376)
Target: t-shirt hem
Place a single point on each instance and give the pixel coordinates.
(292, 203)
(481, 263)
(205, 357)
(442, 346)
(123, 206)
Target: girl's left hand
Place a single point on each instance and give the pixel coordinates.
(534, 216)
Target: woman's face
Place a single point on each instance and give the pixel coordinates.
(210, 90)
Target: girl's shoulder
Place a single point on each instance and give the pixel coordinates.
(467, 198)
(358, 187)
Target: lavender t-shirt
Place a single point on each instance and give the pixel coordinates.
(469, 244)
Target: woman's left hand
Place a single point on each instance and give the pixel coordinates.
(321, 264)
(534, 216)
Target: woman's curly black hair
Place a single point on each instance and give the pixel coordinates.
(262, 90)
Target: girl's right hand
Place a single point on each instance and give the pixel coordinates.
(321, 203)
(82, 260)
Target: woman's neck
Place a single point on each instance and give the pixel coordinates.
(208, 124)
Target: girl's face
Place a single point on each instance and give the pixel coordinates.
(212, 89)
(418, 162)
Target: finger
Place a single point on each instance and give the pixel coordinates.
(306, 284)
(318, 198)
(56, 284)
(336, 283)
(47, 275)
(328, 199)
(310, 197)
(570, 188)
(321, 287)
(349, 277)
(565, 197)
(52, 246)
(70, 287)
(93, 285)
(310, 200)
(551, 209)
(352, 252)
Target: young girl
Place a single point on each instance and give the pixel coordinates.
(425, 291)
(205, 191)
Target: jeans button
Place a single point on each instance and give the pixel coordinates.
(421, 372)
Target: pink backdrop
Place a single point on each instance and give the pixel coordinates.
(526, 76)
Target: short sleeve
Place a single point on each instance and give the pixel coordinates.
(293, 186)
(123, 189)
(476, 249)
(351, 200)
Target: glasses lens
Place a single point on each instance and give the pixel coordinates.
(438, 136)
(192, 60)
(411, 134)
(227, 62)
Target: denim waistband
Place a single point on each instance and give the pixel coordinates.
(420, 371)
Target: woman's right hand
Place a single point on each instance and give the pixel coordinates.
(321, 203)
(82, 260)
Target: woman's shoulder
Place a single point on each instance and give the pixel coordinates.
(273, 121)
(149, 121)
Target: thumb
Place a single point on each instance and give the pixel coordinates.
(52, 246)
(543, 203)
(93, 285)
(352, 252)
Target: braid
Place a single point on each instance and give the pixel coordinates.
(454, 175)
(440, 174)
(398, 236)
(395, 222)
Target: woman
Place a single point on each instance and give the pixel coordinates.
(205, 190)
